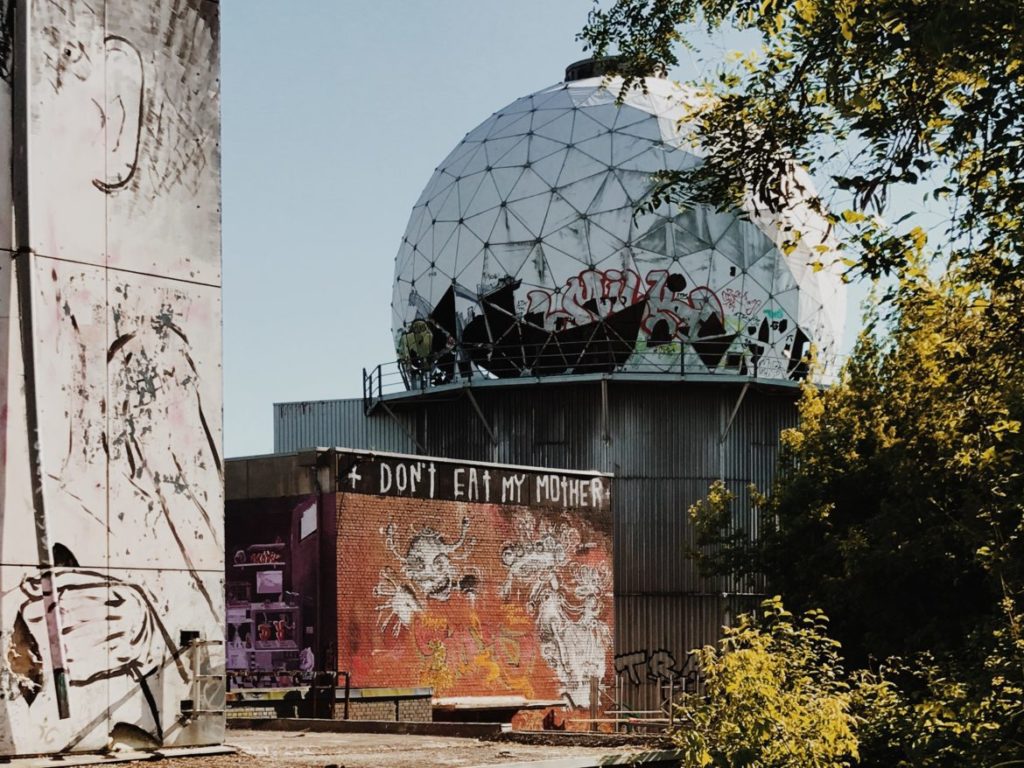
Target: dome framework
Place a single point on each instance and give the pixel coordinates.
(528, 254)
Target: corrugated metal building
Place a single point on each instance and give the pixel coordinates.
(664, 441)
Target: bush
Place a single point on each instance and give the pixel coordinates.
(775, 695)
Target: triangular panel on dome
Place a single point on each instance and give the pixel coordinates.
(556, 98)
(528, 185)
(512, 257)
(541, 147)
(482, 225)
(617, 221)
(789, 303)
(467, 187)
(590, 96)
(445, 186)
(629, 116)
(694, 222)
(557, 129)
(698, 266)
(610, 196)
(570, 241)
(605, 113)
(581, 194)
(462, 149)
(783, 278)
(514, 155)
(603, 245)
(419, 224)
(599, 148)
(458, 165)
(445, 207)
(545, 275)
(531, 211)
(441, 234)
(723, 271)
(509, 228)
(525, 104)
(467, 247)
(509, 125)
(586, 127)
(681, 159)
(437, 179)
(742, 243)
(626, 148)
(655, 239)
(496, 149)
(485, 197)
(638, 184)
(404, 258)
(505, 180)
(559, 213)
(549, 168)
(579, 165)
(762, 272)
(684, 241)
(650, 161)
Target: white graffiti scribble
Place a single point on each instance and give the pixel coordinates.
(573, 638)
(428, 572)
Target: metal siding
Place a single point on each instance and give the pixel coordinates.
(665, 451)
(331, 423)
(678, 624)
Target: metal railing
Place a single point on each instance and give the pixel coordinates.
(523, 361)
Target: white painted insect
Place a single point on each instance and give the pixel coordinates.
(429, 572)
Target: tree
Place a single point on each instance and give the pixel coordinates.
(908, 88)
(899, 507)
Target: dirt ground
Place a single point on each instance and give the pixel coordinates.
(276, 749)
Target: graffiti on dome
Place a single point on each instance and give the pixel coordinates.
(601, 321)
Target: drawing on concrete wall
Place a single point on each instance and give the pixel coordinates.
(565, 601)
(428, 571)
(119, 225)
(111, 628)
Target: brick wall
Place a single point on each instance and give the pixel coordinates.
(416, 710)
(250, 712)
(473, 599)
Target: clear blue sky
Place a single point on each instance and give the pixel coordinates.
(335, 113)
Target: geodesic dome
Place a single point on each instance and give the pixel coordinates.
(525, 254)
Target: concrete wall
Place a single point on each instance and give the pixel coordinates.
(111, 345)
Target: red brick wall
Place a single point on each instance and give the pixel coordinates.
(473, 599)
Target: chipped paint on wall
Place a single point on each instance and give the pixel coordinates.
(118, 221)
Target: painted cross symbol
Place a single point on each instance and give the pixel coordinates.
(354, 476)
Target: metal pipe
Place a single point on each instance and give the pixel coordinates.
(24, 269)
